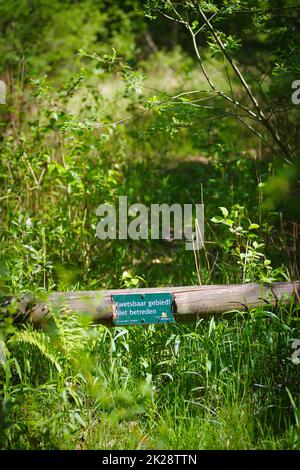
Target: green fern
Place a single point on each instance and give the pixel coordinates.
(40, 341)
(70, 336)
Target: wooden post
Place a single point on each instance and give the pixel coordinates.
(190, 303)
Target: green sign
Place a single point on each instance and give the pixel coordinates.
(141, 309)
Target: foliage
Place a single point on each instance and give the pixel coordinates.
(231, 380)
(106, 100)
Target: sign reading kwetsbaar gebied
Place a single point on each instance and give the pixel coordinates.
(138, 309)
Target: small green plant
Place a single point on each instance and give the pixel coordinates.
(245, 247)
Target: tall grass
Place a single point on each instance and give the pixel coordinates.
(227, 383)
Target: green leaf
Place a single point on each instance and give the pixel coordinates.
(224, 211)
(79, 419)
(195, 24)
(217, 220)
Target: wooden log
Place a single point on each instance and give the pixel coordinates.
(190, 303)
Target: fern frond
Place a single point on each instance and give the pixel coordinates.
(41, 342)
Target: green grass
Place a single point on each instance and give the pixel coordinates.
(218, 384)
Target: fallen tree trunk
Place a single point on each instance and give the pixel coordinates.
(190, 303)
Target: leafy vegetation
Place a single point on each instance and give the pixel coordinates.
(161, 101)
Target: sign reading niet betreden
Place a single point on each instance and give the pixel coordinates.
(139, 309)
